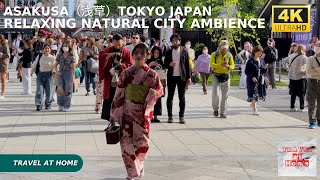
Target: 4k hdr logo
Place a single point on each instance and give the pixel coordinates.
(291, 19)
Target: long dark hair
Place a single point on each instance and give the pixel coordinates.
(153, 50)
(70, 48)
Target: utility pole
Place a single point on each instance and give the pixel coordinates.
(318, 18)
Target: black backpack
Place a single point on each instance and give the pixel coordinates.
(38, 64)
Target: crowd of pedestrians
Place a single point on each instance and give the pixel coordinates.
(130, 77)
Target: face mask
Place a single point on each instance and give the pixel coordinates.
(205, 52)
(65, 49)
(156, 56)
(316, 50)
(188, 45)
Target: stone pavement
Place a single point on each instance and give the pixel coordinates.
(240, 147)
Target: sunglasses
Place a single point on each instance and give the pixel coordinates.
(135, 38)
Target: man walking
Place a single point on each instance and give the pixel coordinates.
(179, 74)
(270, 57)
(221, 62)
(313, 74)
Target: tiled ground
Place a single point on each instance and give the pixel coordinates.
(240, 147)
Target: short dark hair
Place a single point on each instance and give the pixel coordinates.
(175, 35)
(140, 46)
(117, 37)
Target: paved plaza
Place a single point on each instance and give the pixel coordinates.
(242, 146)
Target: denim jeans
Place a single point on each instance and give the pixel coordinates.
(44, 85)
(90, 78)
(66, 85)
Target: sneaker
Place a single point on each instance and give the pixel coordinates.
(170, 120)
(215, 113)
(60, 108)
(48, 107)
(181, 120)
(156, 121)
(94, 92)
(223, 115)
(1, 97)
(66, 109)
(256, 113)
(293, 110)
(38, 108)
(318, 122)
(205, 92)
(87, 94)
(312, 126)
(301, 110)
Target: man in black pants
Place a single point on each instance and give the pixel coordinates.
(177, 63)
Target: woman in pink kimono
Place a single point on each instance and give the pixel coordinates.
(138, 89)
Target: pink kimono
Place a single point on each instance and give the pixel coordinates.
(134, 118)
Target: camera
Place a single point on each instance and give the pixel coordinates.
(116, 58)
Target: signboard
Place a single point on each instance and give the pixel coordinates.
(305, 38)
(288, 18)
(166, 33)
(297, 157)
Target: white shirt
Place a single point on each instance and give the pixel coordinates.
(46, 63)
(176, 59)
(16, 43)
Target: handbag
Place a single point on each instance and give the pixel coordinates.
(78, 72)
(92, 65)
(112, 134)
(162, 75)
(115, 79)
(222, 77)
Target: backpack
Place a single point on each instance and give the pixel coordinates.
(38, 64)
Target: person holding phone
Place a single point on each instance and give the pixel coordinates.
(256, 86)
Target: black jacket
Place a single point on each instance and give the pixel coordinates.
(26, 58)
(184, 64)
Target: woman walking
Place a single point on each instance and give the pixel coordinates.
(66, 74)
(256, 86)
(202, 66)
(43, 66)
(89, 51)
(4, 64)
(295, 64)
(26, 60)
(138, 89)
(156, 62)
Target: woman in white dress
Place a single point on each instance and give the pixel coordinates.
(244, 55)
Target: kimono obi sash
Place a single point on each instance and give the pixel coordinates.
(136, 93)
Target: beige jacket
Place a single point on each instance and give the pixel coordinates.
(313, 68)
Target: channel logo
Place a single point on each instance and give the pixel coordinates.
(291, 18)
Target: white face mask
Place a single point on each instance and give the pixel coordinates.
(65, 49)
(188, 45)
(205, 52)
(316, 50)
